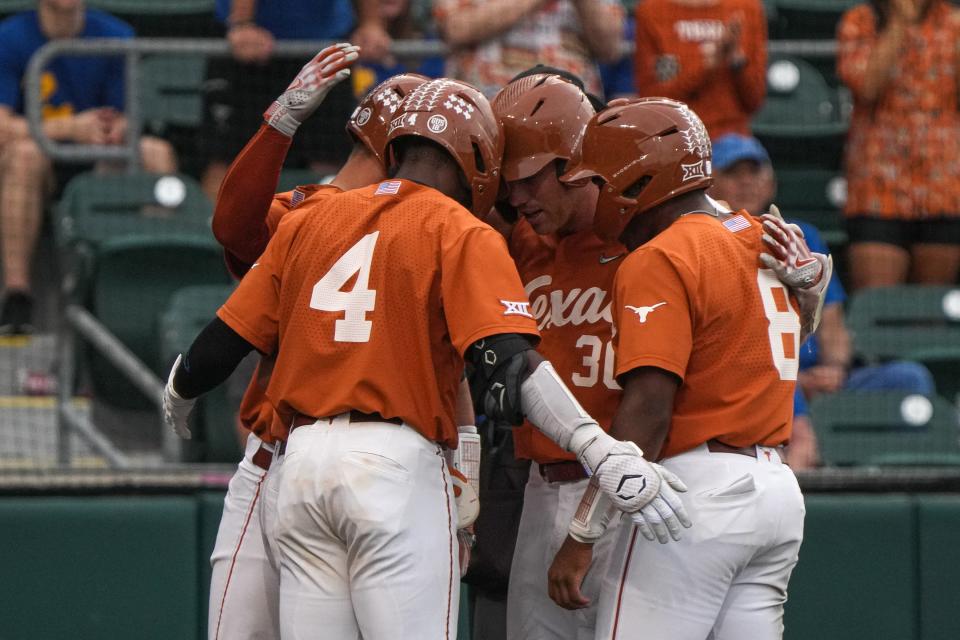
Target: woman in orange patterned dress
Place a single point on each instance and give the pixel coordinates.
(900, 59)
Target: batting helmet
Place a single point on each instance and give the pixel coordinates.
(646, 152)
(457, 117)
(543, 118)
(371, 119)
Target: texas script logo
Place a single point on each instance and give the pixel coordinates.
(558, 308)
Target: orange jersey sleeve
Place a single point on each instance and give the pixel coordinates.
(695, 301)
(569, 281)
(246, 193)
(369, 298)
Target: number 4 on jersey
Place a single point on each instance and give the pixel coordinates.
(327, 294)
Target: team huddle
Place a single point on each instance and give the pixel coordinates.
(641, 337)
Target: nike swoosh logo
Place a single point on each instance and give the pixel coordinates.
(604, 259)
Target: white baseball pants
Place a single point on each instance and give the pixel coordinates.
(366, 530)
(245, 581)
(726, 579)
(548, 509)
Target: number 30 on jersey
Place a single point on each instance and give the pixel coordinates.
(327, 294)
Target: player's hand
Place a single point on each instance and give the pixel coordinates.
(250, 43)
(566, 574)
(789, 256)
(310, 87)
(176, 410)
(466, 499)
(646, 491)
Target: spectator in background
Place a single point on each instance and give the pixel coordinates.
(900, 60)
(711, 54)
(618, 76)
(802, 451)
(744, 178)
(493, 40)
(82, 102)
(239, 89)
(403, 21)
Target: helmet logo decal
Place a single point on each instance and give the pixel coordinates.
(424, 97)
(693, 171)
(695, 137)
(364, 116)
(407, 120)
(461, 106)
(437, 123)
(389, 98)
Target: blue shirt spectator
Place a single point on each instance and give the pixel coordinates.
(800, 407)
(300, 19)
(70, 84)
(618, 77)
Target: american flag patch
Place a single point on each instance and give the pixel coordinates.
(736, 223)
(388, 188)
(297, 197)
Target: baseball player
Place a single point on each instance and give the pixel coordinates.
(244, 587)
(567, 273)
(370, 315)
(707, 340)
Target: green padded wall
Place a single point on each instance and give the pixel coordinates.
(211, 508)
(857, 576)
(939, 529)
(99, 568)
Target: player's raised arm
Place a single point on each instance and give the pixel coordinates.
(247, 190)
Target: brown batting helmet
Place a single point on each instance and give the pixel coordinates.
(371, 119)
(457, 117)
(543, 118)
(646, 152)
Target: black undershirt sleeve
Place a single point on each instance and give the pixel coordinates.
(212, 357)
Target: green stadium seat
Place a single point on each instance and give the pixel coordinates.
(910, 322)
(171, 89)
(886, 428)
(153, 7)
(803, 120)
(8, 7)
(132, 240)
(188, 312)
(810, 19)
(165, 18)
(815, 196)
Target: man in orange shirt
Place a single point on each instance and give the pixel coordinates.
(366, 520)
(568, 274)
(707, 344)
(244, 585)
(711, 54)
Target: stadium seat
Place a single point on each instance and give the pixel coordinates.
(8, 7)
(153, 7)
(886, 428)
(910, 322)
(188, 312)
(131, 241)
(815, 196)
(165, 18)
(809, 19)
(171, 89)
(803, 120)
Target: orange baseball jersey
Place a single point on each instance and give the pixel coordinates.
(369, 298)
(696, 302)
(569, 281)
(670, 59)
(256, 412)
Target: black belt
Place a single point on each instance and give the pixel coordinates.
(565, 471)
(719, 447)
(355, 416)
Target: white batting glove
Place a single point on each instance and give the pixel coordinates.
(466, 499)
(806, 273)
(644, 490)
(310, 87)
(176, 410)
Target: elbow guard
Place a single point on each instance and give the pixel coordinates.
(499, 365)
